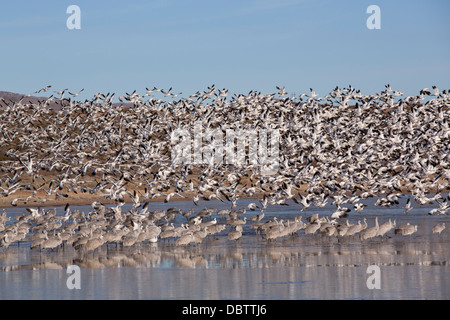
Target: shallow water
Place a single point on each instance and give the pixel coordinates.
(299, 267)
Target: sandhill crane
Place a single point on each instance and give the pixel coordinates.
(38, 235)
(130, 238)
(72, 239)
(371, 232)
(274, 232)
(205, 212)
(236, 222)
(93, 244)
(152, 233)
(236, 234)
(116, 234)
(326, 224)
(406, 229)
(5, 241)
(331, 231)
(52, 242)
(185, 239)
(356, 228)
(171, 233)
(223, 212)
(342, 229)
(200, 235)
(216, 228)
(386, 227)
(37, 243)
(257, 217)
(438, 228)
(312, 227)
(312, 217)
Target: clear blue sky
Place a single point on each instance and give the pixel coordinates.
(239, 45)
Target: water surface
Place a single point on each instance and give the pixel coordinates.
(298, 267)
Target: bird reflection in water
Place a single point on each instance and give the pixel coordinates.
(248, 253)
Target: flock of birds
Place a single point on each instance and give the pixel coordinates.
(344, 147)
(109, 225)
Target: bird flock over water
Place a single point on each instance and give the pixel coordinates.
(338, 149)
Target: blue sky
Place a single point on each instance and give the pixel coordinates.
(239, 45)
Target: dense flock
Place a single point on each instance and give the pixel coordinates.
(340, 149)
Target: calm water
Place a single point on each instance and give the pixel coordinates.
(300, 267)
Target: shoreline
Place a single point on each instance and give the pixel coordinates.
(86, 200)
(106, 201)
